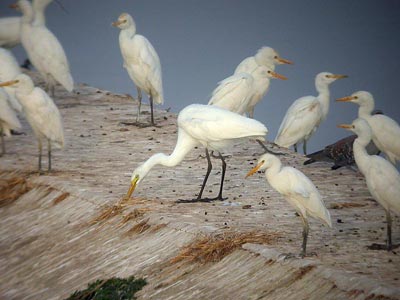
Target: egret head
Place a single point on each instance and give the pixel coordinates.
(265, 162)
(137, 175)
(359, 127)
(21, 81)
(124, 21)
(361, 98)
(326, 78)
(264, 71)
(269, 57)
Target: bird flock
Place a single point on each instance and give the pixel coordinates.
(225, 120)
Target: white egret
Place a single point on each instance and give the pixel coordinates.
(305, 114)
(265, 56)
(41, 113)
(235, 92)
(9, 70)
(297, 189)
(141, 62)
(10, 27)
(213, 127)
(44, 50)
(383, 180)
(8, 119)
(385, 131)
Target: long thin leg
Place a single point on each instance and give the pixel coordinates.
(305, 147)
(40, 155)
(49, 153)
(209, 167)
(268, 150)
(3, 144)
(251, 112)
(222, 177)
(305, 235)
(152, 112)
(389, 230)
(295, 148)
(139, 95)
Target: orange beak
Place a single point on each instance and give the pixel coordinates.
(8, 83)
(117, 23)
(284, 61)
(279, 76)
(346, 126)
(345, 99)
(337, 76)
(255, 169)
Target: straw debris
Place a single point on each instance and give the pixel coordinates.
(140, 227)
(12, 188)
(347, 205)
(213, 248)
(61, 198)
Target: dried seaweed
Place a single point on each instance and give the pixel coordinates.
(12, 188)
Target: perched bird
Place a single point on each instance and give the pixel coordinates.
(8, 119)
(141, 62)
(383, 180)
(298, 190)
(235, 92)
(305, 114)
(213, 127)
(44, 50)
(9, 70)
(41, 113)
(265, 56)
(385, 131)
(10, 26)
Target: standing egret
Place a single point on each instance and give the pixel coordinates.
(298, 190)
(8, 119)
(305, 114)
(235, 92)
(141, 62)
(213, 127)
(265, 56)
(41, 113)
(43, 49)
(385, 131)
(9, 70)
(383, 180)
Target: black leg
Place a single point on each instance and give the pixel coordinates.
(139, 95)
(222, 177)
(152, 111)
(3, 144)
(305, 147)
(295, 148)
(40, 156)
(268, 150)
(305, 236)
(389, 231)
(209, 167)
(49, 153)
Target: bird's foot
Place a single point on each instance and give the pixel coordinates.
(376, 246)
(285, 256)
(139, 125)
(217, 156)
(204, 200)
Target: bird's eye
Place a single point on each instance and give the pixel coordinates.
(355, 97)
(263, 161)
(136, 176)
(276, 56)
(269, 72)
(327, 76)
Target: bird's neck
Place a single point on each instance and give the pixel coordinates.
(274, 169)
(323, 97)
(40, 18)
(128, 32)
(183, 146)
(365, 110)
(361, 155)
(39, 8)
(27, 15)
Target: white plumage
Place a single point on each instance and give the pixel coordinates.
(8, 118)
(9, 70)
(297, 189)
(236, 92)
(44, 50)
(213, 127)
(305, 114)
(383, 179)
(140, 61)
(41, 113)
(385, 131)
(267, 57)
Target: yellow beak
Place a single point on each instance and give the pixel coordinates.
(8, 83)
(284, 61)
(117, 23)
(337, 76)
(345, 99)
(255, 169)
(279, 76)
(132, 187)
(345, 126)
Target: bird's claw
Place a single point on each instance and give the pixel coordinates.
(204, 200)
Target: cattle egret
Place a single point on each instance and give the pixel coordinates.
(306, 114)
(297, 189)
(141, 62)
(385, 131)
(41, 113)
(214, 128)
(383, 180)
(9, 70)
(8, 119)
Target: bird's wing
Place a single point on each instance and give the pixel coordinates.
(300, 120)
(210, 123)
(248, 65)
(7, 114)
(387, 132)
(232, 93)
(9, 65)
(46, 116)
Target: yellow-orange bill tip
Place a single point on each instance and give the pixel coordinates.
(338, 76)
(116, 23)
(279, 76)
(8, 83)
(345, 126)
(345, 99)
(284, 61)
(254, 170)
(131, 190)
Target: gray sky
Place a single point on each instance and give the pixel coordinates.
(201, 43)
